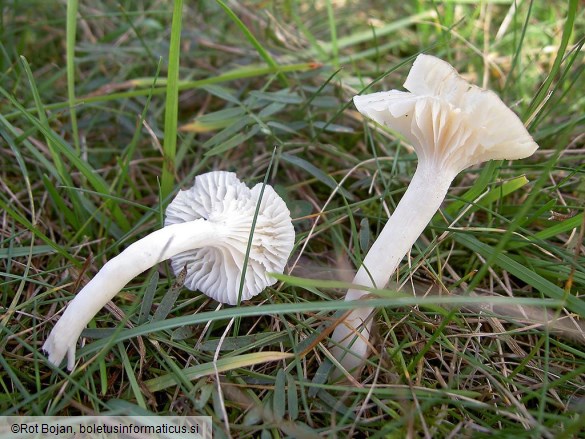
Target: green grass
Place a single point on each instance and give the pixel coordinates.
(106, 111)
(172, 102)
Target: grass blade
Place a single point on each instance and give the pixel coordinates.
(82, 166)
(72, 6)
(547, 288)
(221, 365)
(172, 103)
(252, 39)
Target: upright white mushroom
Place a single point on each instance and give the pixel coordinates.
(452, 125)
(207, 228)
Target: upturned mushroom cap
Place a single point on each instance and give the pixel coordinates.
(449, 122)
(216, 270)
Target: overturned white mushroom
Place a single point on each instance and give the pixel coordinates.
(452, 125)
(207, 228)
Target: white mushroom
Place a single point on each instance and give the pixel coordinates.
(452, 125)
(207, 229)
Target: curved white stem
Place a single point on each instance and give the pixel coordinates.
(116, 273)
(419, 203)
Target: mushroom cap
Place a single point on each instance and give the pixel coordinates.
(450, 123)
(216, 270)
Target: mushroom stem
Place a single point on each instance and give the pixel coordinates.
(156, 247)
(451, 125)
(415, 210)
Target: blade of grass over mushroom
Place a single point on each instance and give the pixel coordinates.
(253, 228)
(172, 102)
(71, 30)
(432, 302)
(221, 365)
(334, 284)
(264, 54)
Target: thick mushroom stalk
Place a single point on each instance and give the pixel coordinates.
(207, 229)
(452, 125)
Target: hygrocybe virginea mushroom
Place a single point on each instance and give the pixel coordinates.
(206, 232)
(452, 125)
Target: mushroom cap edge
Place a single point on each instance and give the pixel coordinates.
(494, 131)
